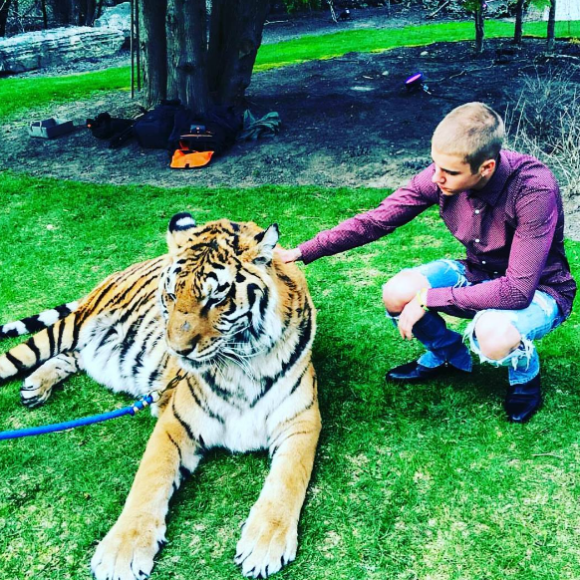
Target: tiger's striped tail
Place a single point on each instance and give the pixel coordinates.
(37, 322)
(60, 337)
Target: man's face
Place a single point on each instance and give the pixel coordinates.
(453, 175)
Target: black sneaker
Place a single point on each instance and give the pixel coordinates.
(412, 372)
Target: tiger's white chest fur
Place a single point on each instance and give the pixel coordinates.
(243, 404)
(243, 400)
(244, 420)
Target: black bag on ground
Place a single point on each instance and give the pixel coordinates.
(103, 126)
(118, 131)
(154, 128)
(216, 132)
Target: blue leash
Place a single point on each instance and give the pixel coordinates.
(131, 410)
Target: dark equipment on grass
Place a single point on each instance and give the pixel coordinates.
(416, 83)
(118, 131)
(103, 126)
(154, 128)
(200, 138)
(50, 128)
(170, 125)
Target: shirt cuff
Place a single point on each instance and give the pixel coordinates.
(438, 297)
(310, 251)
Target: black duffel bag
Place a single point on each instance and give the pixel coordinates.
(154, 128)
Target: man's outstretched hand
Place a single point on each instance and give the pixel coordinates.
(289, 255)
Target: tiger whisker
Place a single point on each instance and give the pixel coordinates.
(240, 355)
(243, 355)
(246, 368)
(253, 352)
(220, 364)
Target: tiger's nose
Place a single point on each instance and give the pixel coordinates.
(189, 348)
(183, 351)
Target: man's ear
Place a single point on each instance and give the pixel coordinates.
(487, 167)
(266, 242)
(179, 230)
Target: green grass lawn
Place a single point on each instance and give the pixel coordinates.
(426, 482)
(420, 482)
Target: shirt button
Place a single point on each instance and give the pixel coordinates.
(477, 240)
(483, 262)
(476, 211)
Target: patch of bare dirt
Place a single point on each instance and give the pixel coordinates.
(346, 122)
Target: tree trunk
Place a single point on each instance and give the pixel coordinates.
(90, 9)
(64, 11)
(175, 43)
(4, 7)
(177, 62)
(86, 12)
(479, 28)
(217, 40)
(99, 9)
(519, 22)
(44, 14)
(153, 50)
(235, 37)
(193, 65)
(552, 26)
(186, 54)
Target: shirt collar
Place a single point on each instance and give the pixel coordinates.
(493, 189)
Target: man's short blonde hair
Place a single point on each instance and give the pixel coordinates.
(473, 131)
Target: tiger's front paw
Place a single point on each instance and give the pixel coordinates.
(127, 551)
(269, 541)
(35, 391)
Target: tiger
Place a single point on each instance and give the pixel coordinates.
(222, 329)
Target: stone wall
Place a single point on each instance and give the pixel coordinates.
(36, 50)
(118, 17)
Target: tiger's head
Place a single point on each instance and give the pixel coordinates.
(217, 295)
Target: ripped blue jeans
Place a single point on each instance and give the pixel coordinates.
(447, 346)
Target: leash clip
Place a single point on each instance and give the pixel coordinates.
(145, 401)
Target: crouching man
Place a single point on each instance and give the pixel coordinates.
(515, 282)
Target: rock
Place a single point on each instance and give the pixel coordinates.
(565, 10)
(118, 17)
(40, 49)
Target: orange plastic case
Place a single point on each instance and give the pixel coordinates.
(190, 159)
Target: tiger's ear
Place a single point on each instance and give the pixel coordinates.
(266, 242)
(178, 230)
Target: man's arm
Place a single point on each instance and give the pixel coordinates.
(537, 215)
(396, 210)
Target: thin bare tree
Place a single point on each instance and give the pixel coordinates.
(551, 33)
(4, 10)
(518, 31)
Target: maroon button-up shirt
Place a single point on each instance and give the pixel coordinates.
(512, 229)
